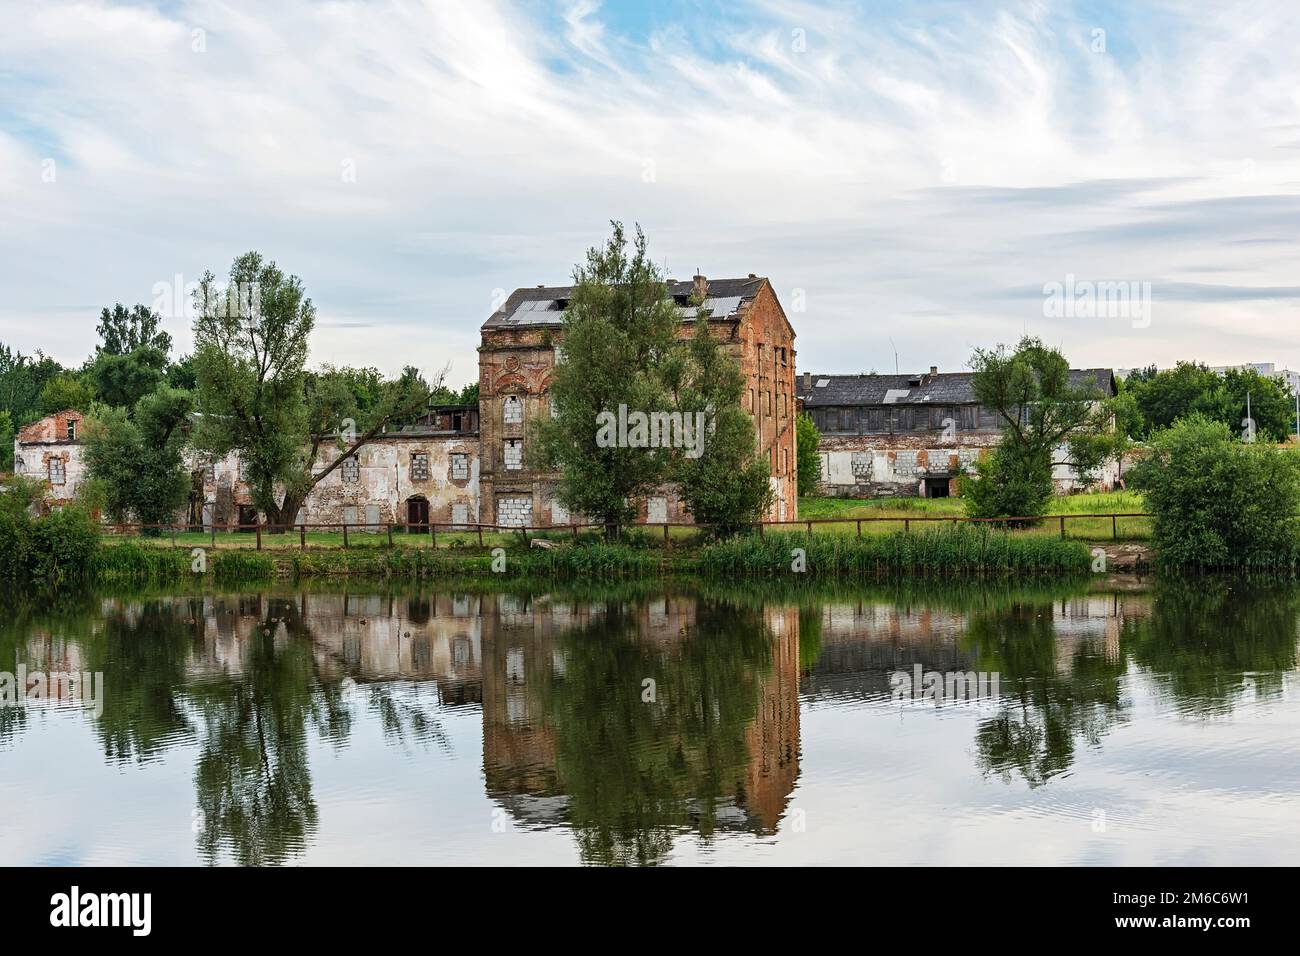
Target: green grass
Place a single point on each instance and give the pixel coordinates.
(941, 550)
(904, 512)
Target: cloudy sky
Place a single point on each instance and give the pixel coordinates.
(901, 171)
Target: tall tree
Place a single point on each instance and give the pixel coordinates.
(1164, 396)
(137, 461)
(1041, 413)
(251, 341)
(132, 356)
(723, 482)
(619, 330)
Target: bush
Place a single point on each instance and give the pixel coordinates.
(1217, 502)
(1008, 485)
(46, 551)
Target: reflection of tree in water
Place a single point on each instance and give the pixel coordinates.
(252, 777)
(1207, 634)
(1045, 708)
(635, 771)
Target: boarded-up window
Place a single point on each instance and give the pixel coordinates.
(72, 430)
(210, 473)
(513, 454)
(656, 510)
(57, 475)
(351, 470)
(512, 412)
(243, 469)
(420, 466)
(559, 513)
(459, 466)
(460, 514)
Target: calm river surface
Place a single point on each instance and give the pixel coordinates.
(660, 724)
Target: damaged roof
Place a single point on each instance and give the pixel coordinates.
(545, 305)
(921, 388)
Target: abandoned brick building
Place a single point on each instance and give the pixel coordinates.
(913, 435)
(49, 449)
(517, 359)
(464, 464)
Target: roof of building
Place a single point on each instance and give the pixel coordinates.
(545, 305)
(942, 388)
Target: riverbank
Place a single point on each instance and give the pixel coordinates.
(928, 552)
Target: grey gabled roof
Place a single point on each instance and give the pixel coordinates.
(944, 388)
(545, 306)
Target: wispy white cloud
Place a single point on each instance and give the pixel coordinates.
(910, 169)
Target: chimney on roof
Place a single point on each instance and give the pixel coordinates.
(752, 276)
(934, 370)
(807, 382)
(701, 287)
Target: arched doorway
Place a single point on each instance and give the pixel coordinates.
(417, 514)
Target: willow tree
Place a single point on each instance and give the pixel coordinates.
(256, 398)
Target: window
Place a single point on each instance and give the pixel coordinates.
(459, 466)
(514, 454)
(351, 470)
(752, 406)
(57, 476)
(72, 430)
(512, 412)
(420, 466)
(19, 465)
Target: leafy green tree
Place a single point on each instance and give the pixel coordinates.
(619, 332)
(1041, 412)
(22, 377)
(6, 441)
(1218, 502)
(1164, 396)
(251, 341)
(63, 391)
(808, 462)
(131, 359)
(181, 374)
(727, 485)
(138, 461)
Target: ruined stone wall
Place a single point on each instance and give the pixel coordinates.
(897, 466)
(44, 451)
(385, 478)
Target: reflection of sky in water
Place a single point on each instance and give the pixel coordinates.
(481, 727)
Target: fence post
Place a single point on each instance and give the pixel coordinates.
(1114, 528)
(760, 529)
(480, 536)
(433, 535)
(665, 532)
(257, 526)
(345, 536)
(859, 527)
(213, 528)
(302, 535)
(173, 535)
(810, 529)
(907, 525)
(1062, 527)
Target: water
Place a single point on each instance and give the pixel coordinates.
(651, 724)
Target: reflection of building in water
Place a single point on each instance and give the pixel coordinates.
(525, 671)
(511, 654)
(863, 644)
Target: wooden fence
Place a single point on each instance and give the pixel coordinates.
(259, 530)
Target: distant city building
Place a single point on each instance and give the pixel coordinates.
(1266, 369)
